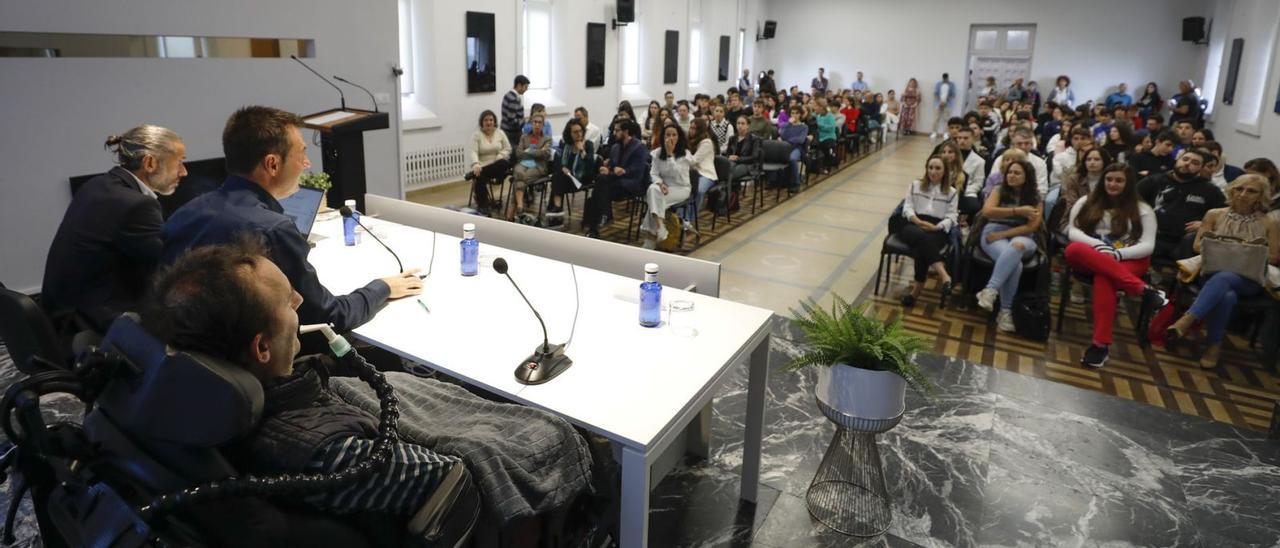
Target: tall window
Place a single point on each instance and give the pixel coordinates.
(695, 56)
(631, 54)
(406, 47)
(742, 48)
(537, 43)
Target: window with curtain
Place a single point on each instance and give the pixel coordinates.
(631, 54)
(537, 43)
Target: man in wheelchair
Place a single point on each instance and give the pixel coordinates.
(208, 391)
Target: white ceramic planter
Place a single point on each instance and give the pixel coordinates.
(862, 393)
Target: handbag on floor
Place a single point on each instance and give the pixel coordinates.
(1031, 316)
(674, 228)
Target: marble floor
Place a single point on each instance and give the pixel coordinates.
(995, 459)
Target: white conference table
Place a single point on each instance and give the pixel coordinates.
(639, 387)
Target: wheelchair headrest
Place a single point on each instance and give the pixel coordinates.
(184, 398)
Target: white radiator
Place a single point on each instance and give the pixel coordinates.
(423, 167)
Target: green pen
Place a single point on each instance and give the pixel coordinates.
(424, 305)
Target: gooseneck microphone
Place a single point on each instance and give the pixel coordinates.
(548, 360)
(347, 214)
(366, 90)
(341, 98)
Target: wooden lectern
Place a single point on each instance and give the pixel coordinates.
(342, 149)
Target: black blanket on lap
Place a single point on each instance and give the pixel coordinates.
(524, 460)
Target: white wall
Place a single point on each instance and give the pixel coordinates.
(1252, 20)
(1097, 42)
(56, 113)
(448, 114)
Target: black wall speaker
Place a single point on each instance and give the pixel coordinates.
(626, 11)
(770, 28)
(1192, 29)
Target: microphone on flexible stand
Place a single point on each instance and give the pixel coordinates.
(347, 213)
(342, 98)
(548, 360)
(366, 90)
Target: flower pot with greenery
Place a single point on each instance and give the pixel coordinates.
(319, 181)
(863, 365)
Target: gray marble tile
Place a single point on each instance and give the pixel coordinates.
(698, 504)
(790, 525)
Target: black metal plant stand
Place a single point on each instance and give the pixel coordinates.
(848, 492)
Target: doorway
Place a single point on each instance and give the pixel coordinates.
(1000, 51)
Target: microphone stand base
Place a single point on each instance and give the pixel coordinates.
(541, 366)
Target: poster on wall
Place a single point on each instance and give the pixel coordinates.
(671, 61)
(481, 56)
(1233, 72)
(595, 55)
(723, 74)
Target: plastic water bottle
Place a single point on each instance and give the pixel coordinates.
(470, 250)
(650, 297)
(349, 224)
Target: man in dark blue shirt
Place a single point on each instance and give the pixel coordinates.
(625, 174)
(265, 155)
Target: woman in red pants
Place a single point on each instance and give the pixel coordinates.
(1113, 233)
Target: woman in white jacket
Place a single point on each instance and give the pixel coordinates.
(1113, 233)
(487, 155)
(930, 211)
(669, 174)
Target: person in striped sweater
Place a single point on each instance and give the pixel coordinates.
(513, 109)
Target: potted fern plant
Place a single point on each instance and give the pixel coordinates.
(863, 365)
(319, 181)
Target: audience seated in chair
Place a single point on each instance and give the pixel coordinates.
(532, 156)
(578, 161)
(929, 212)
(1181, 198)
(487, 154)
(625, 173)
(1081, 180)
(1112, 234)
(108, 244)
(1013, 215)
(1245, 219)
(669, 176)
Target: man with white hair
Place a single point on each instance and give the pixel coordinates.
(108, 245)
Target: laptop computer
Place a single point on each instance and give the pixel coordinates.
(302, 207)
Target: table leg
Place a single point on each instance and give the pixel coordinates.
(635, 499)
(758, 379)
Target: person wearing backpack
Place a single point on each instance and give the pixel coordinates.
(1113, 234)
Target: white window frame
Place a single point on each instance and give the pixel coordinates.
(537, 44)
(631, 58)
(1255, 76)
(695, 55)
(742, 54)
(405, 13)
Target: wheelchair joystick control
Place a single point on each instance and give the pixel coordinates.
(338, 345)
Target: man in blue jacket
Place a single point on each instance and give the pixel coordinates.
(265, 155)
(625, 173)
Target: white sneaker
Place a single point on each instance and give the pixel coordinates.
(1004, 321)
(1077, 294)
(987, 299)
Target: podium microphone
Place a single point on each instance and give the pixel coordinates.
(342, 98)
(366, 90)
(347, 213)
(548, 360)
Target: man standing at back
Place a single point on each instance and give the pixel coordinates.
(819, 83)
(108, 244)
(265, 155)
(1120, 97)
(513, 109)
(859, 85)
(944, 92)
(744, 83)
